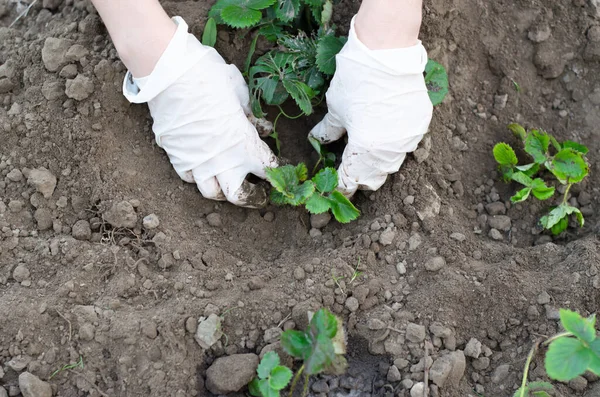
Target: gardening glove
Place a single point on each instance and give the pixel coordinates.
(202, 119)
(379, 97)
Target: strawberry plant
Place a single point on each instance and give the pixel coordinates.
(321, 347)
(570, 354)
(291, 186)
(271, 377)
(565, 161)
(436, 80)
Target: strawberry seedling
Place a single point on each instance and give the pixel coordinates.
(570, 354)
(272, 377)
(565, 161)
(321, 347)
(291, 186)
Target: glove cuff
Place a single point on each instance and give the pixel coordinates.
(398, 61)
(182, 53)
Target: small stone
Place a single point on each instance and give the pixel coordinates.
(473, 348)
(539, 33)
(209, 331)
(166, 261)
(482, 363)
(19, 363)
(320, 386)
(32, 386)
(500, 222)
(272, 335)
(548, 64)
(3, 392)
(414, 242)
(578, 384)
(191, 325)
(87, 332)
(76, 52)
(149, 329)
(43, 181)
(231, 374)
(269, 216)
(407, 384)
(150, 222)
(415, 333)
(299, 273)
(121, 214)
(394, 374)
(54, 53)
(53, 90)
(387, 237)
(81, 230)
(458, 237)
(214, 220)
(79, 88)
(496, 208)
(500, 373)
(401, 268)
(417, 390)
(15, 175)
(500, 101)
(409, 200)
(435, 264)
(448, 369)
(51, 4)
(21, 273)
(375, 324)
(495, 234)
(352, 304)
(543, 298)
(44, 219)
(532, 312)
(319, 221)
(552, 313)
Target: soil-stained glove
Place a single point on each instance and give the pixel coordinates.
(201, 112)
(379, 97)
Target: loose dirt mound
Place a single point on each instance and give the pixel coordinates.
(83, 277)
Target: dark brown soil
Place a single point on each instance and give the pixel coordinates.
(121, 299)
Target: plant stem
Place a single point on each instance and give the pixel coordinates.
(295, 381)
(557, 336)
(305, 389)
(567, 193)
(317, 165)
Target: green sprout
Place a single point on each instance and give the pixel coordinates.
(565, 161)
(272, 377)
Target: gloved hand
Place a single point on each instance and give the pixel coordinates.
(200, 106)
(379, 97)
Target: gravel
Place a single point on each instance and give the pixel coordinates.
(81, 230)
(121, 214)
(394, 374)
(150, 222)
(387, 237)
(231, 374)
(415, 333)
(319, 221)
(352, 304)
(79, 88)
(500, 373)
(214, 220)
(32, 386)
(21, 273)
(473, 348)
(54, 53)
(435, 264)
(448, 369)
(43, 181)
(500, 222)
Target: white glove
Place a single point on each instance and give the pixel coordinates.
(200, 106)
(379, 97)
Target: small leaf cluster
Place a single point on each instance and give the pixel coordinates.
(304, 59)
(572, 355)
(318, 346)
(272, 377)
(291, 186)
(565, 161)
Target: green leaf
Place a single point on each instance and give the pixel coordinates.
(253, 388)
(566, 359)
(317, 204)
(280, 377)
(577, 325)
(278, 198)
(327, 48)
(505, 155)
(316, 144)
(555, 143)
(301, 172)
(507, 172)
(209, 36)
(540, 394)
(545, 386)
(242, 13)
(295, 343)
(268, 362)
(569, 165)
(544, 193)
(436, 80)
(301, 193)
(266, 389)
(324, 322)
(595, 362)
(578, 147)
(251, 52)
(301, 93)
(518, 130)
(327, 13)
(519, 392)
(326, 180)
(282, 178)
(522, 179)
(287, 9)
(272, 31)
(560, 227)
(536, 145)
(321, 356)
(343, 210)
(521, 195)
(554, 217)
(529, 169)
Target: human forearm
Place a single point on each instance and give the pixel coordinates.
(387, 24)
(140, 29)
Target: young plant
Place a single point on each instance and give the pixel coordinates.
(271, 377)
(436, 80)
(570, 354)
(291, 186)
(565, 161)
(321, 347)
